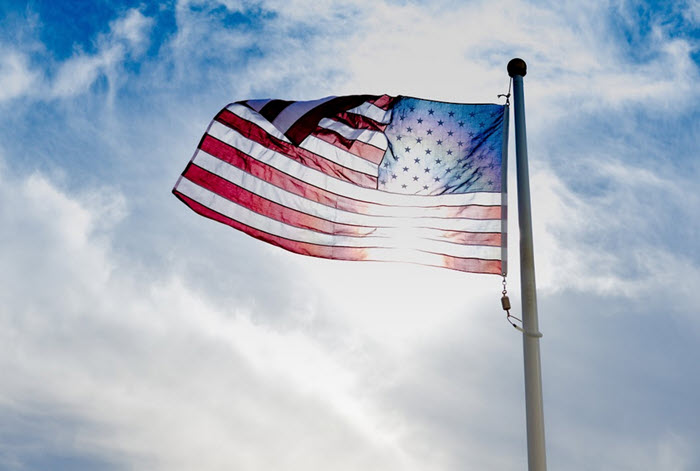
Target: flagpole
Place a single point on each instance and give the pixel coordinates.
(536, 456)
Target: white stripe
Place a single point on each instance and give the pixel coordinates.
(294, 111)
(290, 200)
(277, 228)
(340, 187)
(256, 118)
(405, 256)
(339, 156)
(373, 112)
(375, 138)
(257, 105)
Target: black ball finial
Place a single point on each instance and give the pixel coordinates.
(517, 66)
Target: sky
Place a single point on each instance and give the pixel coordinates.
(135, 334)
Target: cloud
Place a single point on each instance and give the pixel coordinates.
(127, 38)
(22, 76)
(691, 12)
(595, 244)
(133, 28)
(17, 78)
(144, 370)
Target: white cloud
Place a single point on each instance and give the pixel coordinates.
(602, 243)
(17, 77)
(691, 11)
(78, 73)
(127, 39)
(156, 371)
(134, 28)
(458, 53)
(128, 36)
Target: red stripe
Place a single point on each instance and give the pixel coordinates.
(358, 121)
(384, 102)
(293, 217)
(358, 148)
(473, 265)
(308, 122)
(491, 239)
(260, 205)
(303, 156)
(238, 159)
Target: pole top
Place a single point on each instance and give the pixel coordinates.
(517, 66)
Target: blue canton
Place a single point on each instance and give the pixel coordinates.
(437, 148)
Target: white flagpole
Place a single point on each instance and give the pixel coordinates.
(536, 456)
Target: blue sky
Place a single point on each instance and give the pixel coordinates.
(137, 335)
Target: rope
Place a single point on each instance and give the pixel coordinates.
(505, 303)
(507, 95)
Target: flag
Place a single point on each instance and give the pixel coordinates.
(359, 177)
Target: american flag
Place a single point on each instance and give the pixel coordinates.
(359, 178)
